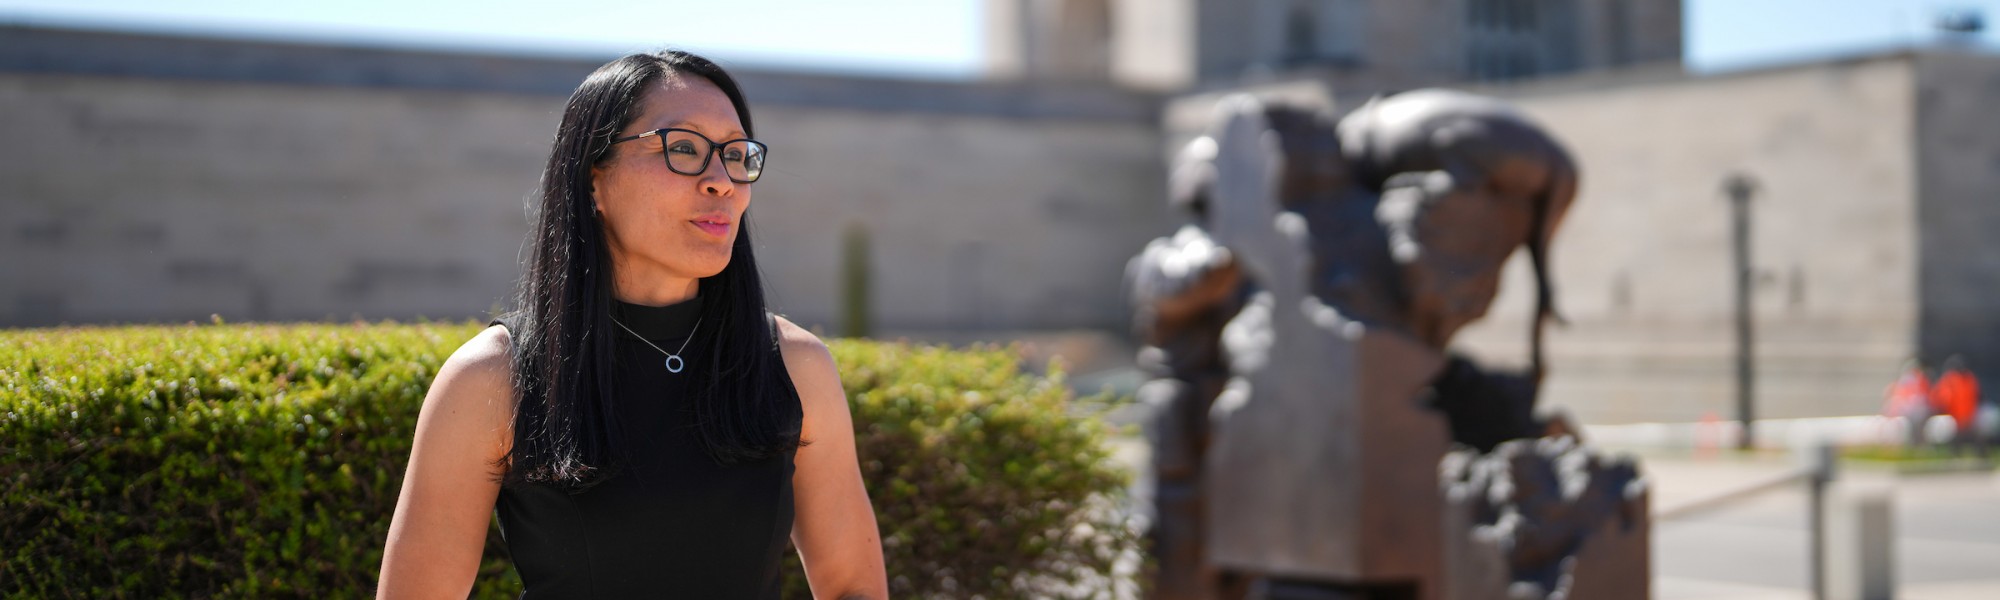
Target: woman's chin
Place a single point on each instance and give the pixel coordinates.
(709, 266)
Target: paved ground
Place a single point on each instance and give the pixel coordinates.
(1947, 532)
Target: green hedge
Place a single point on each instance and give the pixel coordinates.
(265, 460)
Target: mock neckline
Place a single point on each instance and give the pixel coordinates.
(657, 322)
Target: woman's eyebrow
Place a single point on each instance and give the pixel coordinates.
(734, 134)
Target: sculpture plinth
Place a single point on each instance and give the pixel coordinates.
(1330, 502)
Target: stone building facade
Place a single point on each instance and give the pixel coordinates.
(151, 178)
(1872, 235)
(1359, 47)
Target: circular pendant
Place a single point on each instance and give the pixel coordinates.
(673, 364)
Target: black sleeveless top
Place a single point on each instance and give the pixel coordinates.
(671, 522)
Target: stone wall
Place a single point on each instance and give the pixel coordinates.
(1958, 213)
(132, 199)
(974, 223)
(151, 178)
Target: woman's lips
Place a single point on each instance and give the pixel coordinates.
(714, 228)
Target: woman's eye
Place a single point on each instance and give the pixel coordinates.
(733, 156)
(681, 148)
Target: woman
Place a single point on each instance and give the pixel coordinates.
(641, 424)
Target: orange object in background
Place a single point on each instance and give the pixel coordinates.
(1956, 394)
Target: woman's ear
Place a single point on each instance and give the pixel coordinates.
(595, 205)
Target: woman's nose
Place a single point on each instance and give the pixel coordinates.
(715, 178)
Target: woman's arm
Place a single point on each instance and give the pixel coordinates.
(438, 533)
(835, 527)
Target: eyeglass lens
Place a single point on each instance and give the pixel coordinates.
(688, 154)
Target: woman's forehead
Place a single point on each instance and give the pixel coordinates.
(689, 102)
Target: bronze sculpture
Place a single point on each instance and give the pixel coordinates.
(1186, 288)
(1349, 254)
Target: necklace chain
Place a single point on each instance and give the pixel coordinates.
(674, 362)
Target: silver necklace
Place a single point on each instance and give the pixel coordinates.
(674, 362)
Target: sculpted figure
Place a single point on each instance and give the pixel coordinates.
(1464, 180)
(1185, 288)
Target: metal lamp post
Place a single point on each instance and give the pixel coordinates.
(1740, 187)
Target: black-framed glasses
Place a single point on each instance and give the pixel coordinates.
(688, 152)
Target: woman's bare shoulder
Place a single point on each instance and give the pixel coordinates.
(797, 343)
(474, 389)
(808, 361)
(817, 379)
(486, 359)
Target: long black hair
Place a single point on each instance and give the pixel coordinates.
(566, 427)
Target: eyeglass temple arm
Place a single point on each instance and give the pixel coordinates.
(636, 136)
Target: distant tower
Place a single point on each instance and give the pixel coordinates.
(1359, 47)
(1059, 40)
(1366, 46)
(1132, 43)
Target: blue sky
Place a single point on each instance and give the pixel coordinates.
(921, 38)
(1730, 34)
(916, 38)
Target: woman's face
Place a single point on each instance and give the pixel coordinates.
(662, 224)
